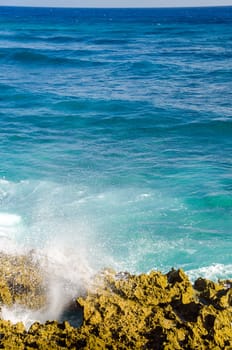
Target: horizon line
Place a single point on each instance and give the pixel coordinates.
(115, 7)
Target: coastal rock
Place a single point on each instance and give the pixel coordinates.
(21, 281)
(148, 311)
(156, 311)
(51, 335)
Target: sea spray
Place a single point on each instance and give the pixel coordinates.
(62, 278)
(62, 246)
(62, 255)
(10, 227)
(69, 274)
(137, 311)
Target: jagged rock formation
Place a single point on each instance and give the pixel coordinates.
(123, 311)
(21, 281)
(157, 311)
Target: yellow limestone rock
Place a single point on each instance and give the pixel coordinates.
(122, 311)
(21, 281)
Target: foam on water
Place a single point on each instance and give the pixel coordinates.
(10, 228)
(9, 220)
(214, 272)
(74, 232)
(60, 244)
(137, 229)
(66, 273)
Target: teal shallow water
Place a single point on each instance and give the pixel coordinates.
(116, 138)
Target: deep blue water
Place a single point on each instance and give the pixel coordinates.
(116, 137)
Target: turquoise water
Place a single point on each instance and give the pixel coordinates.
(116, 138)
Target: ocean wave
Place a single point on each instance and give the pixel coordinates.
(98, 105)
(213, 272)
(110, 41)
(29, 56)
(11, 227)
(215, 126)
(78, 229)
(62, 39)
(44, 58)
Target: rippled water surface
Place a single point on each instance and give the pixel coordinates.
(116, 137)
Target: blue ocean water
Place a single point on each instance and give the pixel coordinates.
(116, 138)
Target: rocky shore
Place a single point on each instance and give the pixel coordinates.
(121, 311)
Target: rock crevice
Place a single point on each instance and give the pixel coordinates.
(121, 311)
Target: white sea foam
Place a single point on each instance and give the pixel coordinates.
(213, 272)
(42, 223)
(60, 240)
(75, 231)
(17, 313)
(10, 227)
(4, 182)
(66, 273)
(9, 220)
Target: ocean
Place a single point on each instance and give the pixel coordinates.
(116, 140)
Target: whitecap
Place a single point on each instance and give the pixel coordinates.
(10, 228)
(9, 220)
(213, 272)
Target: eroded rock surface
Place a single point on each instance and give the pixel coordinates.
(21, 281)
(148, 311)
(157, 311)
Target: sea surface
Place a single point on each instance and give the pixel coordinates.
(116, 139)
